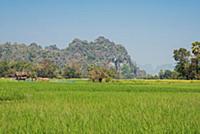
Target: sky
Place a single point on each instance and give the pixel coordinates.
(149, 29)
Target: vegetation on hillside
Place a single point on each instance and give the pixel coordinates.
(71, 62)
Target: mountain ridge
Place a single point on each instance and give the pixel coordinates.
(100, 52)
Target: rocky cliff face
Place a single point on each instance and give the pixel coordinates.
(101, 52)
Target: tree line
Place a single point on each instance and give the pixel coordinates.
(47, 69)
(187, 64)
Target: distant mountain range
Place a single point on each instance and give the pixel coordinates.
(101, 52)
(150, 69)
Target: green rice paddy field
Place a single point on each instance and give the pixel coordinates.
(83, 107)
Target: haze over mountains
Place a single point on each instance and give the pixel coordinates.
(150, 69)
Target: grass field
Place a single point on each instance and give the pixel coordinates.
(82, 107)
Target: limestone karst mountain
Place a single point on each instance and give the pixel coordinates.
(100, 52)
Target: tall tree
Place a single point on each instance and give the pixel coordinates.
(196, 59)
(126, 72)
(46, 68)
(161, 74)
(4, 68)
(100, 73)
(182, 57)
(70, 72)
(166, 74)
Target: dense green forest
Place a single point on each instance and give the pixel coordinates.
(72, 62)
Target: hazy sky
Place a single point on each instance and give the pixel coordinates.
(149, 29)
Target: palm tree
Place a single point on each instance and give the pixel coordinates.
(196, 52)
(196, 49)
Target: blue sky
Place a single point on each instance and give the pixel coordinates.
(149, 29)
